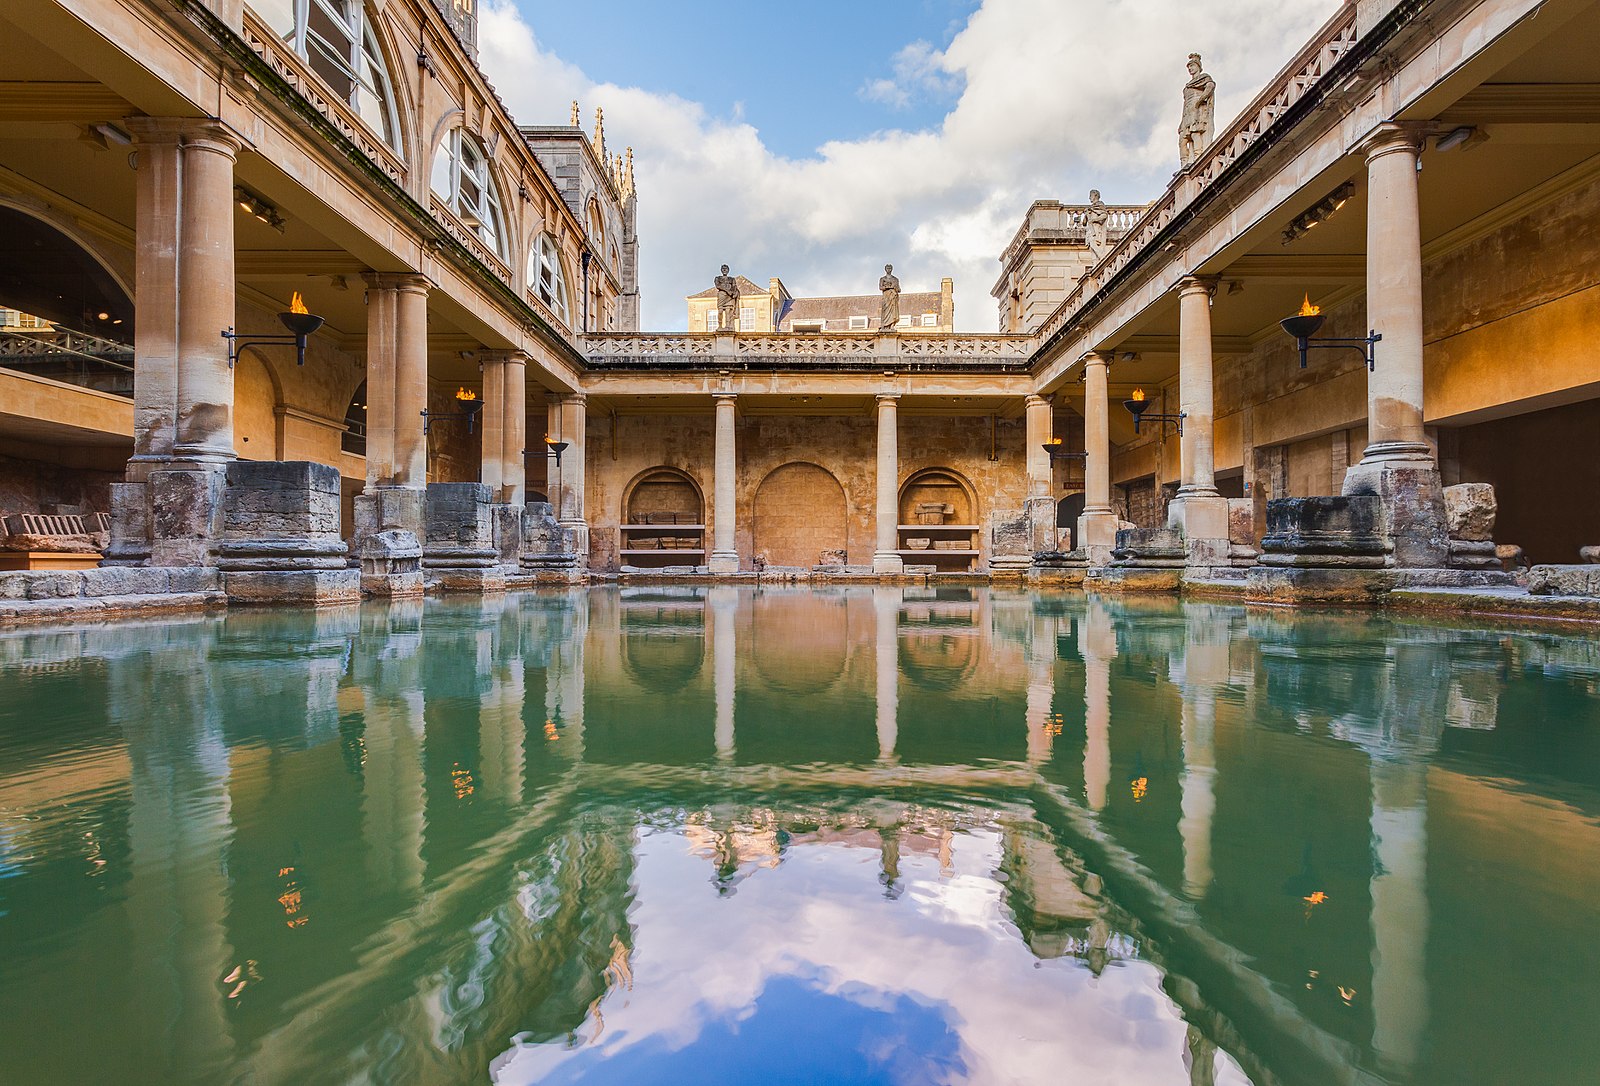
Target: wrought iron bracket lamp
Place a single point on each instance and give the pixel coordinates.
(300, 324)
(1302, 327)
(1139, 408)
(557, 448)
(473, 407)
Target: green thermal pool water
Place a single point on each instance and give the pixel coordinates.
(862, 835)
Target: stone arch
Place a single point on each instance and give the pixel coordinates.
(256, 396)
(122, 277)
(940, 485)
(389, 36)
(662, 489)
(798, 512)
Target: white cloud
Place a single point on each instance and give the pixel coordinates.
(1056, 96)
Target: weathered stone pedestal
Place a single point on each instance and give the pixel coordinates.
(506, 522)
(1565, 580)
(1144, 560)
(387, 540)
(1013, 543)
(172, 516)
(280, 535)
(547, 550)
(458, 553)
(1059, 569)
(1411, 513)
(1322, 550)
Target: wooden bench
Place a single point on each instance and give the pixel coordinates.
(49, 526)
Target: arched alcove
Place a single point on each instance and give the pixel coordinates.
(663, 520)
(939, 520)
(799, 512)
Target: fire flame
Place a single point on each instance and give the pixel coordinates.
(1307, 309)
(297, 304)
(1054, 441)
(466, 395)
(1138, 395)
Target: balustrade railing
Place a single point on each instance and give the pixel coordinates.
(812, 350)
(1310, 65)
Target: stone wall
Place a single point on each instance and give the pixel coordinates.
(73, 481)
(837, 450)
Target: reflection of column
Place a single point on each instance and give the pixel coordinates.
(393, 800)
(1097, 526)
(500, 728)
(1399, 891)
(177, 898)
(1200, 1056)
(1205, 668)
(1099, 645)
(564, 680)
(724, 613)
(886, 608)
(886, 559)
(724, 549)
(1040, 717)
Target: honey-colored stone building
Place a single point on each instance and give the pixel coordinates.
(1428, 174)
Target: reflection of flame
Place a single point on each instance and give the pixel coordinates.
(1307, 309)
(466, 395)
(1138, 395)
(297, 304)
(461, 780)
(550, 731)
(1312, 900)
(1140, 786)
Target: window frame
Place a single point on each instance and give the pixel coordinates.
(363, 62)
(544, 255)
(485, 216)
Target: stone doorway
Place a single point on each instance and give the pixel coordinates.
(799, 514)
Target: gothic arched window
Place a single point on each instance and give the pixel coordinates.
(337, 41)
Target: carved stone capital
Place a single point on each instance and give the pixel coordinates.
(1201, 284)
(1393, 137)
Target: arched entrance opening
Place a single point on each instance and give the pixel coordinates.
(800, 515)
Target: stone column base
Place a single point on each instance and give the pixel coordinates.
(391, 564)
(486, 581)
(888, 564)
(1411, 493)
(319, 586)
(186, 513)
(1268, 584)
(723, 562)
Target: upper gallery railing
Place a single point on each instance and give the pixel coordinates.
(1070, 223)
(1302, 73)
(902, 352)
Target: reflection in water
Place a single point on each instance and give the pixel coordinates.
(877, 835)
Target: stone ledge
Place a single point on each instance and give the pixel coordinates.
(1509, 603)
(101, 608)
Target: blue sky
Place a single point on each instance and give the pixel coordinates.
(818, 141)
(793, 70)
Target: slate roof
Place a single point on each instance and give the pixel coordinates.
(838, 311)
(745, 287)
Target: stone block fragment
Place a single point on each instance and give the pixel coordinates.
(125, 580)
(1325, 533)
(1564, 580)
(1469, 510)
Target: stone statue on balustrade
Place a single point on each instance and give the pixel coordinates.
(1096, 225)
(727, 302)
(1199, 113)
(889, 312)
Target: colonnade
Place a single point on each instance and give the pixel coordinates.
(1397, 442)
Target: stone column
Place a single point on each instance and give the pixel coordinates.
(724, 550)
(388, 511)
(1199, 511)
(514, 431)
(1040, 505)
(168, 511)
(574, 426)
(886, 559)
(1097, 526)
(724, 608)
(491, 422)
(206, 295)
(1398, 464)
